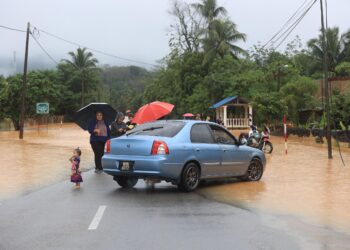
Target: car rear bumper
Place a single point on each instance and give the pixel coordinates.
(156, 166)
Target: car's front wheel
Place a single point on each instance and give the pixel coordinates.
(125, 181)
(254, 171)
(189, 178)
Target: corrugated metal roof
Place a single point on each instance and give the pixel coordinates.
(227, 100)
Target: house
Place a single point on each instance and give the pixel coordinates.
(234, 111)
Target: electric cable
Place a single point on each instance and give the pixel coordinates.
(43, 49)
(291, 28)
(294, 23)
(286, 23)
(95, 50)
(13, 29)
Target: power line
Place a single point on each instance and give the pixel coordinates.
(286, 23)
(291, 28)
(43, 49)
(13, 29)
(293, 24)
(95, 50)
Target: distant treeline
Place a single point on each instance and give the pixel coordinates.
(204, 66)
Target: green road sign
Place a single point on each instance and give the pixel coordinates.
(42, 108)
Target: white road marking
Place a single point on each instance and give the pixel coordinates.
(98, 216)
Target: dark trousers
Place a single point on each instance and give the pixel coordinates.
(98, 147)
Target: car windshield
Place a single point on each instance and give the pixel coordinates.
(159, 128)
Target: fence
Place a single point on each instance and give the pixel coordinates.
(45, 119)
(7, 125)
(237, 123)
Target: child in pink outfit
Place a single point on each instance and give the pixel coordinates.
(76, 173)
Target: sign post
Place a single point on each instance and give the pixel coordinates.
(42, 108)
(285, 134)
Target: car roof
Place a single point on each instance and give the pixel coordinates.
(184, 121)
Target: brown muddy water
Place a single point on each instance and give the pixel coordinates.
(303, 183)
(41, 158)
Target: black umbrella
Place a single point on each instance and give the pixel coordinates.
(85, 115)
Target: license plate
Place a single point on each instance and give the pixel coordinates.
(126, 165)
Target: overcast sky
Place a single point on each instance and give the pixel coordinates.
(137, 29)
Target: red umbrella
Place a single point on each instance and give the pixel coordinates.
(152, 111)
(188, 115)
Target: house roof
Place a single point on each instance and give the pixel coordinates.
(227, 100)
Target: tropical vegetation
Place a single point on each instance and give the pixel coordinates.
(206, 63)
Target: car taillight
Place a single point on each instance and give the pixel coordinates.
(108, 146)
(159, 148)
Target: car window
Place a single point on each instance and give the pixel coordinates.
(222, 136)
(159, 128)
(200, 133)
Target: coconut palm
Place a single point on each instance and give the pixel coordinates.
(221, 40)
(209, 10)
(337, 48)
(83, 61)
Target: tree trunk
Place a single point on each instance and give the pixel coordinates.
(15, 122)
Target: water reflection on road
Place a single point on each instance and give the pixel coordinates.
(304, 183)
(41, 158)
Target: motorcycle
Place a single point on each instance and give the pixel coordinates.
(257, 140)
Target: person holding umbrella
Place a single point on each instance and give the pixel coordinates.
(99, 134)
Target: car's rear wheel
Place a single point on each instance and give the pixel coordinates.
(125, 181)
(189, 178)
(254, 171)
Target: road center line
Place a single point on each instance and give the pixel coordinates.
(98, 216)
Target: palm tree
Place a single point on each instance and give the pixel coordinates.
(221, 40)
(83, 62)
(338, 48)
(209, 10)
(220, 35)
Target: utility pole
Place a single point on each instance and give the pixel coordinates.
(24, 87)
(14, 63)
(278, 77)
(326, 88)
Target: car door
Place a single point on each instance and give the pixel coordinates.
(206, 151)
(233, 161)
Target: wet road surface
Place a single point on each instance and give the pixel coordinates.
(300, 193)
(59, 217)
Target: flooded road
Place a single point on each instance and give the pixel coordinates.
(303, 183)
(41, 158)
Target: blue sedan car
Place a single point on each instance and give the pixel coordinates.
(182, 152)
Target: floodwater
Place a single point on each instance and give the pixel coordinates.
(41, 158)
(303, 183)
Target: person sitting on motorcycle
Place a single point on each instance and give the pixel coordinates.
(253, 136)
(253, 130)
(266, 131)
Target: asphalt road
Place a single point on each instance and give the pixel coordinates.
(103, 216)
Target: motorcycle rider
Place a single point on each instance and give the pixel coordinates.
(266, 131)
(253, 135)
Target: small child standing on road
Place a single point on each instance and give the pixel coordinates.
(76, 173)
